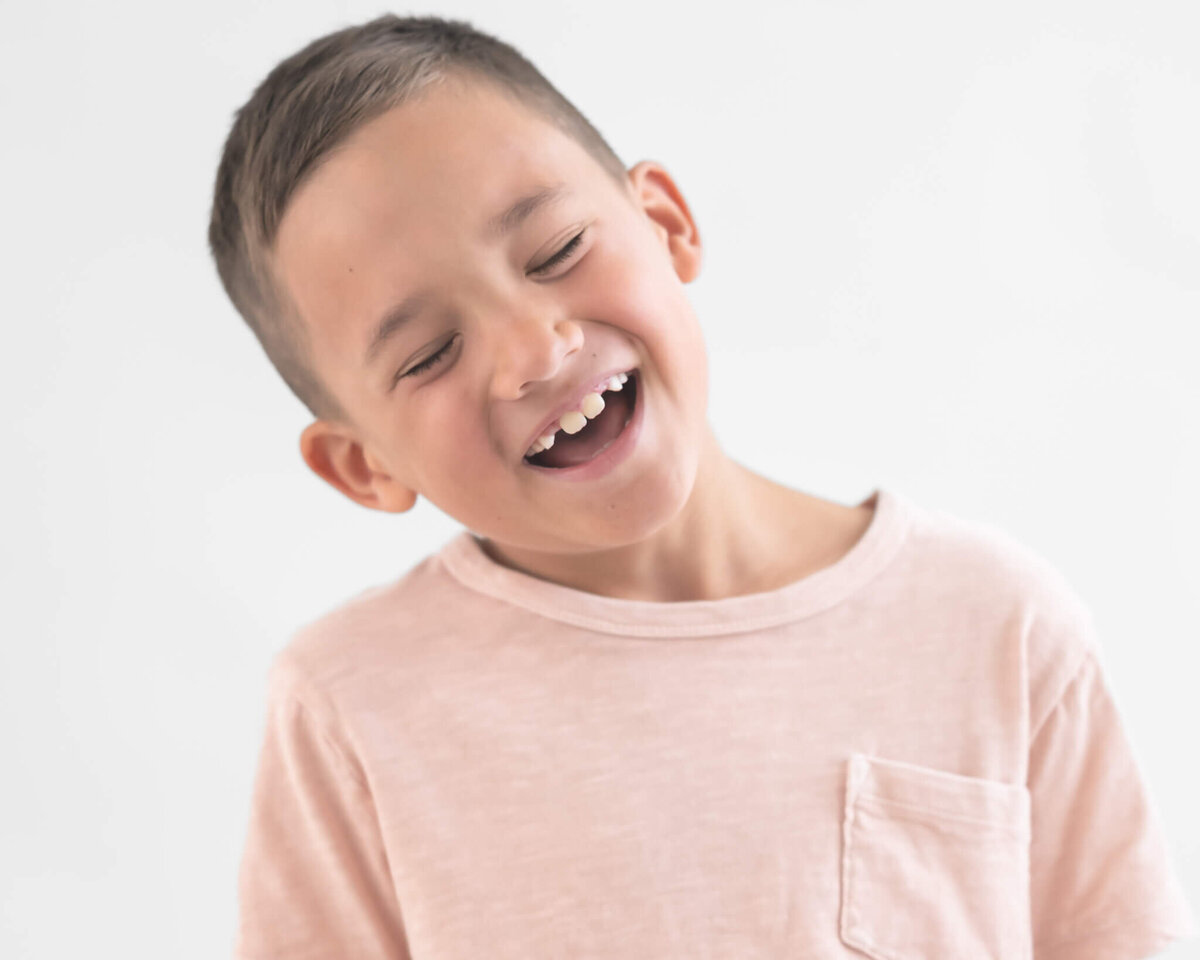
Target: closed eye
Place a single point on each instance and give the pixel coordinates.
(559, 257)
(427, 362)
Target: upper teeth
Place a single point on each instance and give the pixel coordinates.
(574, 420)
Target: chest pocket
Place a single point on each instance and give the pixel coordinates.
(935, 865)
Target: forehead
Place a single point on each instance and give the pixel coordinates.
(411, 188)
(447, 160)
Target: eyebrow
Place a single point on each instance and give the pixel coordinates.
(520, 211)
(390, 325)
(395, 318)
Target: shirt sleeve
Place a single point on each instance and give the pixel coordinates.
(1102, 885)
(314, 879)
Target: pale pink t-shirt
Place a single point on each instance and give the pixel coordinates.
(911, 754)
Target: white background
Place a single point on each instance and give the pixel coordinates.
(951, 249)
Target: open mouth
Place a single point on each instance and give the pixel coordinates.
(572, 449)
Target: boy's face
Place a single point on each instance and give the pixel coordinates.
(402, 209)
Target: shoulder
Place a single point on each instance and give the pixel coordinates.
(982, 559)
(982, 574)
(353, 651)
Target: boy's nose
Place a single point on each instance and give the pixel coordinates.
(531, 350)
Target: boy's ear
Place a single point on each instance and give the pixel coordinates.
(338, 458)
(661, 200)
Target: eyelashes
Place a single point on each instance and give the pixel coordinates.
(428, 363)
(559, 257)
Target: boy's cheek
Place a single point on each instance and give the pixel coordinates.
(627, 284)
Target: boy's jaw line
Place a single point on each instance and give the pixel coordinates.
(574, 403)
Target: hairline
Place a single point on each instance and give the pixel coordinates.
(303, 113)
(262, 253)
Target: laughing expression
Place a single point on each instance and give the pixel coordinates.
(468, 276)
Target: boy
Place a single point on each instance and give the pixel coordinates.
(648, 704)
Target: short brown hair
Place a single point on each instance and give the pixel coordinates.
(309, 104)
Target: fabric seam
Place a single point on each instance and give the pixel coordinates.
(297, 681)
(894, 543)
(1072, 679)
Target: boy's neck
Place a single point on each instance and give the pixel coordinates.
(738, 533)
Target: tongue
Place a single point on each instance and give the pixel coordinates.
(572, 448)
